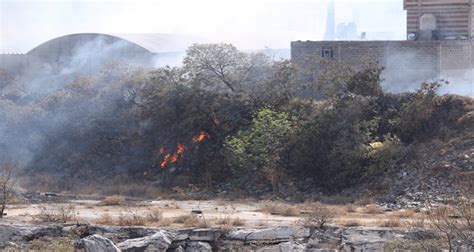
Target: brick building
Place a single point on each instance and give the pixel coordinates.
(438, 45)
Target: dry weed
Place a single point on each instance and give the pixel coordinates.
(405, 213)
(113, 200)
(391, 223)
(190, 221)
(105, 219)
(351, 208)
(56, 214)
(280, 209)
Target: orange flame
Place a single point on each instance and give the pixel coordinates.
(199, 138)
(172, 158)
(165, 160)
(180, 149)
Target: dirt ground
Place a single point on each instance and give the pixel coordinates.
(248, 213)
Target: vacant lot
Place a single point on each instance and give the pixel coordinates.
(117, 210)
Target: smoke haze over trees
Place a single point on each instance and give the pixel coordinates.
(225, 119)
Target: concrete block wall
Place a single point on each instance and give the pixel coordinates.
(404, 61)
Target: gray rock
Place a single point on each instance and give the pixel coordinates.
(160, 241)
(205, 234)
(181, 234)
(179, 249)
(321, 250)
(368, 240)
(198, 246)
(284, 247)
(96, 243)
(328, 236)
(280, 233)
(26, 232)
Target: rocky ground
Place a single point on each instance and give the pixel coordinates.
(78, 223)
(81, 237)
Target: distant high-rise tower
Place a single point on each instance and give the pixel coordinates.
(331, 22)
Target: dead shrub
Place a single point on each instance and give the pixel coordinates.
(318, 217)
(56, 214)
(154, 216)
(453, 223)
(281, 209)
(113, 200)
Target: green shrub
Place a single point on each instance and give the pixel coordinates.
(254, 153)
(332, 148)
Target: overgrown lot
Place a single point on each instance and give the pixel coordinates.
(226, 121)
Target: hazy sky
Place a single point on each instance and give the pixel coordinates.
(249, 24)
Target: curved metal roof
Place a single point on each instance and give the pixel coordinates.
(161, 42)
(150, 42)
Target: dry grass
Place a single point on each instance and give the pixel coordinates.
(105, 219)
(134, 218)
(405, 214)
(154, 216)
(122, 185)
(417, 223)
(351, 208)
(227, 221)
(190, 221)
(391, 223)
(351, 223)
(373, 209)
(261, 224)
(364, 201)
(335, 200)
(280, 209)
(172, 205)
(131, 219)
(113, 200)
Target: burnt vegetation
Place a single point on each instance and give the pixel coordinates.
(224, 121)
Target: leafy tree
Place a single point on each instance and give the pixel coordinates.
(222, 67)
(254, 153)
(338, 79)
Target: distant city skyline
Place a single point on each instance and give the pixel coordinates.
(247, 24)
